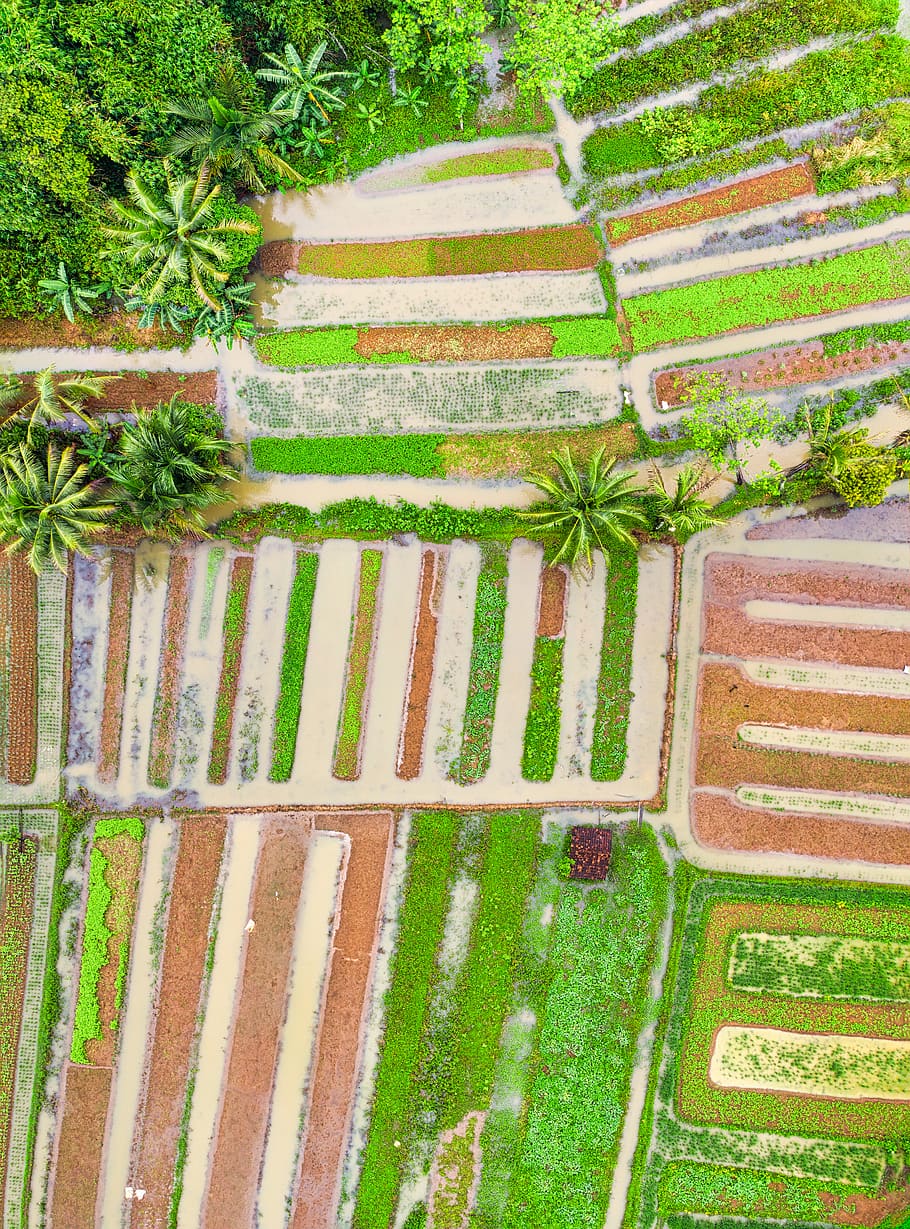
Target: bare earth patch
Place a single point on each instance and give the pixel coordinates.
(551, 612)
(23, 672)
(85, 1105)
(436, 343)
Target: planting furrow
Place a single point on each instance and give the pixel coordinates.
(134, 1037)
(233, 635)
(5, 595)
(586, 600)
(293, 666)
(391, 662)
(224, 964)
(323, 684)
(90, 605)
(650, 679)
(361, 654)
(146, 635)
(339, 1056)
(168, 1065)
(116, 663)
(17, 922)
(830, 678)
(257, 690)
(85, 1096)
(859, 744)
(420, 671)
(817, 802)
(614, 697)
(317, 919)
(451, 670)
(728, 630)
(22, 752)
(260, 1011)
(163, 730)
(506, 738)
(484, 669)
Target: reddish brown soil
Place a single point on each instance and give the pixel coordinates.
(727, 700)
(122, 576)
(365, 628)
(4, 658)
(23, 672)
(867, 1210)
(551, 610)
(170, 672)
(15, 926)
(728, 631)
(434, 343)
(783, 367)
(738, 197)
(124, 855)
(229, 681)
(889, 522)
(119, 330)
(186, 943)
(340, 1037)
(131, 388)
(257, 1027)
(423, 652)
(733, 579)
(87, 1093)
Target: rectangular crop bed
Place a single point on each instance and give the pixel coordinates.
(15, 936)
(364, 627)
(234, 635)
(23, 672)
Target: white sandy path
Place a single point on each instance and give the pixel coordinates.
(327, 655)
(238, 872)
(803, 612)
(391, 661)
(257, 692)
(496, 296)
(828, 742)
(141, 988)
(507, 743)
(91, 608)
(201, 672)
(580, 669)
(451, 669)
(346, 211)
(318, 916)
(146, 631)
(800, 250)
(863, 679)
(820, 802)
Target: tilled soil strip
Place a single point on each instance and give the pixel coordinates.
(439, 343)
(86, 1096)
(767, 189)
(731, 632)
(122, 568)
(736, 579)
(234, 634)
(551, 610)
(727, 699)
(15, 926)
(888, 522)
(23, 672)
(423, 653)
(168, 1065)
(720, 822)
(170, 673)
(341, 1033)
(364, 631)
(239, 1144)
(4, 662)
(129, 389)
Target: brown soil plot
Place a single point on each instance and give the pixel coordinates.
(23, 672)
(15, 926)
(729, 631)
(735, 579)
(234, 635)
(338, 1056)
(436, 343)
(259, 1018)
(420, 678)
(116, 328)
(170, 670)
(183, 965)
(129, 388)
(551, 608)
(86, 1096)
(122, 570)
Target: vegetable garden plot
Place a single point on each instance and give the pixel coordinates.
(420, 672)
(117, 660)
(18, 899)
(167, 695)
(85, 1097)
(361, 650)
(234, 632)
(820, 966)
(22, 728)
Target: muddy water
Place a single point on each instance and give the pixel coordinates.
(856, 616)
(581, 668)
(507, 743)
(317, 920)
(142, 984)
(215, 1033)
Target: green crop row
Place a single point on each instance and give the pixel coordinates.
(486, 656)
(18, 900)
(635, 32)
(350, 454)
(87, 1023)
(350, 726)
(509, 161)
(614, 695)
(689, 1187)
(541, 741)
(821, 966)
(750, 34)
(742, 300)
(233, 632)
(106, 829)
(867, 335)
(293, 665)
(820, 86)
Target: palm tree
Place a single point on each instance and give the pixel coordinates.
(682, 511)
(302, 82)
(171, 468)
(829, 449)
(172, 239)
(48, 506)
(53, 398)
(69, 296)
(586, 508)
(228, 135)
(10, 394)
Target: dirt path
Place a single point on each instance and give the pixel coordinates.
(85, 1097)
(260, 1012)
(341, 1036)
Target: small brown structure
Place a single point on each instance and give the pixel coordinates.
(589, 852)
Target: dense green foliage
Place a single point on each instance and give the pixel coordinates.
(293, 665)
(820, 966)
(350, 454)
(614, 696)
(689, 1187)
(87, 1025)
(867, 335)
(541, 740)
(309, 347)
(486, 656)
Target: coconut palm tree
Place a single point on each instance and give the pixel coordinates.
(171, 238)
(171, 467)
(683, 510)
(829, 449)
(586, 508)
(10, 396)
(303, 83)
(53, 397)
(48, 505)
(227, 135)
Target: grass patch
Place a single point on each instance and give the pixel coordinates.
(293, 666)
(309, 347)
(496, 162)
(486, 657)
(764, 296)
(868, 335)
(349, 454)
(350, 727)
(614, 695)
(586, 336)
(541, 742)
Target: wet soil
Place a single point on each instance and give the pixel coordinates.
(23, 672)
(170, 673)
(87, 1094)
(229, 681)
(437, 343)
(148, 388)
(341, 1034)
(735, 579)
(739, 197)
(423, 653)
(728, 631)
(889, 522)
(15, 926)
(168, 1063)
(123, 566)
(124, 855)
(260, 1014)
(119, 329)
(551, 611)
